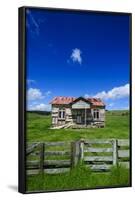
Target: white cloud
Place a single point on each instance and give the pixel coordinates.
(76, 55)
(115, 93)
(40, 107)
(34, 94)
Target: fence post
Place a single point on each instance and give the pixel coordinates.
(81, 150)
(41, 158)
(75, 153)
(115, 152)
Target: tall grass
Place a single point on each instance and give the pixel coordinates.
(80, 177)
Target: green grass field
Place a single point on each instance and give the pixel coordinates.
(38, 129)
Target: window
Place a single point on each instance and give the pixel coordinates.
(96, 114)
(62, 114)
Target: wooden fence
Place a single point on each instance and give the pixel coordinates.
(59, 157)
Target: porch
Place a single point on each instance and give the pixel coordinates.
(82, 116)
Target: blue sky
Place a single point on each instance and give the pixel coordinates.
(77, 54)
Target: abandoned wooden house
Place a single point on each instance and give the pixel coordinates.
(70, 112)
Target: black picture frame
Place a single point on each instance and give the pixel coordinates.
(22, 93)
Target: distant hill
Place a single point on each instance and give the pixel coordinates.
(40, 112)
(118, 112)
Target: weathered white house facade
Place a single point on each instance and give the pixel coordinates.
(70, 112)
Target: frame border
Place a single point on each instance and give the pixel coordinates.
(22, 95)
(22, 103)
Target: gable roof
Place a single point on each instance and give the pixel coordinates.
(68, 100)
(81, 98)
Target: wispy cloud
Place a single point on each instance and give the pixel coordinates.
(48, 93)
(40, 107)
(33, 24)
(111, 104)
(115, 93)
(30, 81)
(76, 56)
(117, 105)
(87, 96)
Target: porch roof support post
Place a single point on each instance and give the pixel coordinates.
(85, 117)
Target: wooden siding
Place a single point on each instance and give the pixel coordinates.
(68, 115)
(71, 112)
(102, 114)
(80, 105)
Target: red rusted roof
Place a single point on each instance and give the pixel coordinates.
(67, 100)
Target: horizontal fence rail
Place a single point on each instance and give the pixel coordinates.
(98, 155)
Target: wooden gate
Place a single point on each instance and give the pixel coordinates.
(59, 157)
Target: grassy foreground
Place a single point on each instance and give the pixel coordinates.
(38, 129)
(79, 178)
